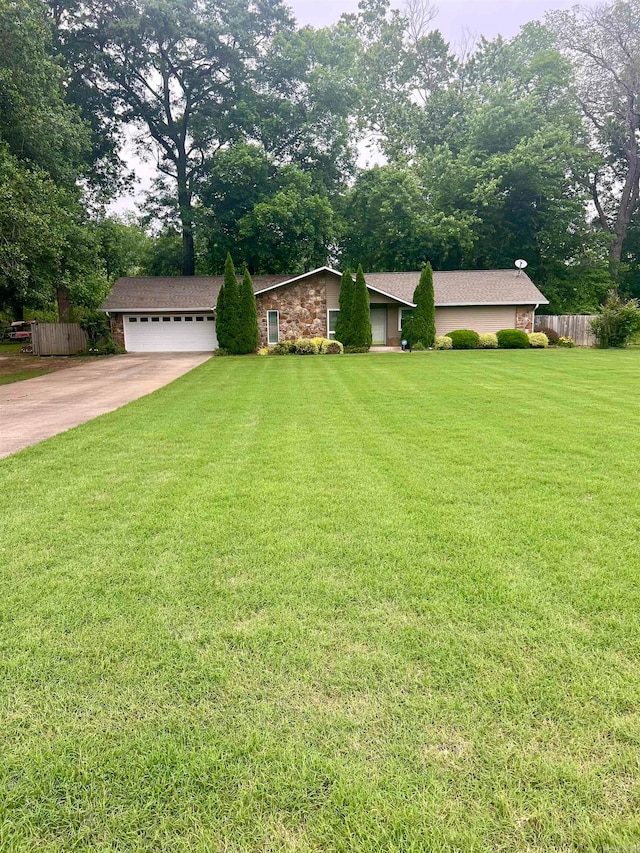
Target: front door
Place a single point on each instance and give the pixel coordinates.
(379, 325)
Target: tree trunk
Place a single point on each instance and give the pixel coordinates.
(64, 304)
(186, 220)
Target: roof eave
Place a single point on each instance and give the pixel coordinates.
(297, 278)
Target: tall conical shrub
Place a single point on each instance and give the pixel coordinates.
(227, 309)
(360, 333)
(343, 324)
(423, 321)
(248, 337)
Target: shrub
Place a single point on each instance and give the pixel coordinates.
(512, 339)
(305, 346)
(419, 346)
(464, 339)
(566, 341)
(332, 348)
(247, 336)
(423, 325)
(263, 351)
(343, 322)
(538, 340)
(221, 351)
(488, 341)
(350, 350)
(227, 309)
(552, 336)
(618, 322)
(107, 348)
(443, 342)
(360, 330)
(283, 347)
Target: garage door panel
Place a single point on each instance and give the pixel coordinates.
(482, 318)
(170, 333)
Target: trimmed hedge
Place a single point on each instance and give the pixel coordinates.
(488, 341)
(512, 339)
(464, 339)
(538, 340)
(305, 346)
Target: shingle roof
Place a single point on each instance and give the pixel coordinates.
(463, 287)
(199, 293)
(174, 293)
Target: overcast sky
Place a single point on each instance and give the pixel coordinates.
(481, 17)
(455, 17)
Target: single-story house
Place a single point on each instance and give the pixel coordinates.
(177, 314)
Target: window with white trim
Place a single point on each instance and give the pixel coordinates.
(332, 319)
(403, 314)
(273, 327)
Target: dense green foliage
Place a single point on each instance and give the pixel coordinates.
(512, 339)
(618, 322)
(248, 335)
(525, 147)
(228, 309)
(464, 339)
(360, 332)
(208, 647)
(423, 319)
(344, 321)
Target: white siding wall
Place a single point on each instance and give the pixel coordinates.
(480, 318)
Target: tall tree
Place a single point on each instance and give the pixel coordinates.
(182, 73)
(46, 245)
(603, 44)
(360, 333)
(423, 320)
(248, 336)
(227, 309)
(343, 324)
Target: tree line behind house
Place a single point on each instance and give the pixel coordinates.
(255, 127)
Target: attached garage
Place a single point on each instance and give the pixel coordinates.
(170, 332)
(480, 318)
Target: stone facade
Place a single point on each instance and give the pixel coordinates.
(524, 317)
(301, 307)
(117, 329)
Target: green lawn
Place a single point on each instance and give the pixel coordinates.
(19, 375)
(359, 603)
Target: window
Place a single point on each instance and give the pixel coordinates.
(133, 319)
(166, 319)
(332, 319)
(144, 319)
(404, 313)
(155, 319)
(210, 319)
(200, 319)
(272, 327)
(188, 319)
(177, 319)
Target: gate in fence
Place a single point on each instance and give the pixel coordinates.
(59, 339)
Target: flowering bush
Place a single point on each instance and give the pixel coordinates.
(566, 341)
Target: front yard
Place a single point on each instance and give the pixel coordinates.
(351, 603)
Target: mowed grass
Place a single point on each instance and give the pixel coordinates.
(360, 603)
(20, 375)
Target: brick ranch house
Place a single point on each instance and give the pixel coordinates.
(177, 314)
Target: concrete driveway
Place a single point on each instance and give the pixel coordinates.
(35, 409)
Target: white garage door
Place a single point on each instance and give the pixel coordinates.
(169, 333)
(479, 318)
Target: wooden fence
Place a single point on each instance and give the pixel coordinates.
(574, 326)
(59, 339)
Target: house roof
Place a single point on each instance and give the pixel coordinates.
(199, 293)
(464, 287)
